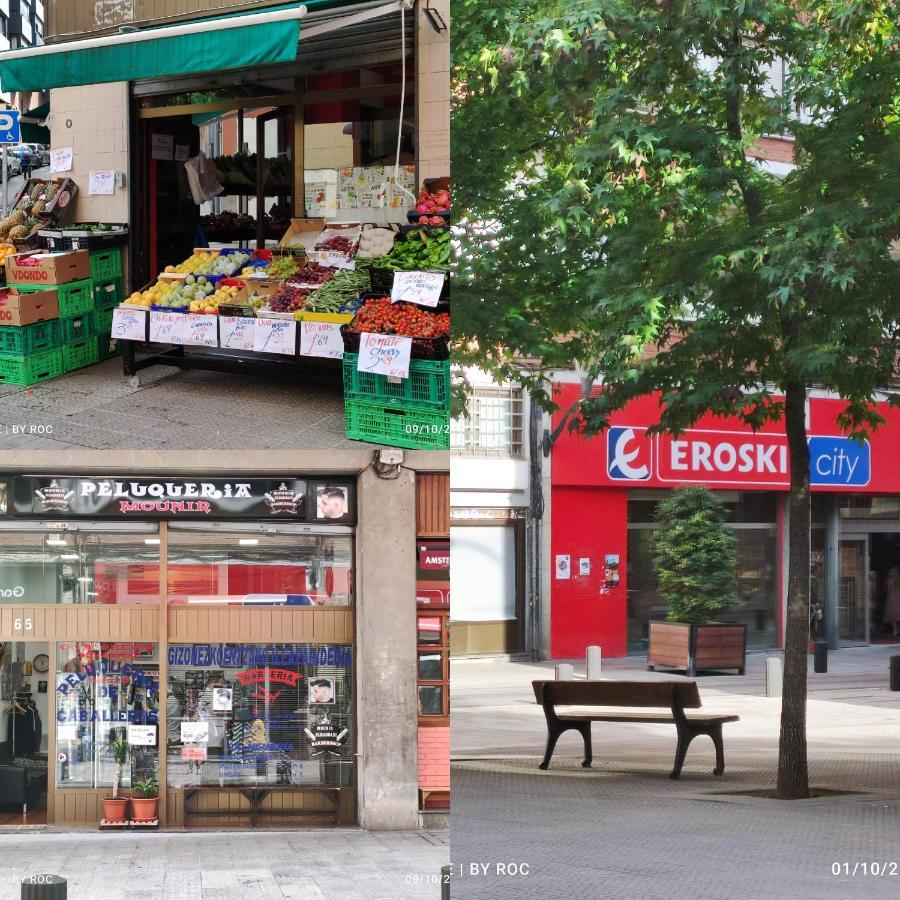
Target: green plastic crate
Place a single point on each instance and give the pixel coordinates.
(75, 298)
(103, 319)
(398, 426)
(76, 329)
(31, 369)
(20, 340)
(428, 385)
(77, 356)
(106, 264)
(105, 341)
(109, 293)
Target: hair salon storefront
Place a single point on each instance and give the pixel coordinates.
(604, 494)
(213, 620)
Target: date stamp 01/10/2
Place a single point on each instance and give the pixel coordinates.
(867, 869)
(471, 870)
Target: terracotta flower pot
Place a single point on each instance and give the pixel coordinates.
(144, 809)
(115, 810)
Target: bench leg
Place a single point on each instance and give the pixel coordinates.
(684, 740)
(552, 737)
(716, 735)
(585, 729)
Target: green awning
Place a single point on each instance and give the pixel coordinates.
(33, 129)
(211, 45)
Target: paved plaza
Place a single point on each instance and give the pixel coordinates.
(164, 407)
(624, 829)
(345, 864)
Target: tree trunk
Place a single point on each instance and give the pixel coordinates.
(793, 774)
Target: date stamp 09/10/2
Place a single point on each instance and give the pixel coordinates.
(867, 869)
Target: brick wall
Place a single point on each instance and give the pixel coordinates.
(434, 759)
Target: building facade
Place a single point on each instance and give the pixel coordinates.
(253, 631)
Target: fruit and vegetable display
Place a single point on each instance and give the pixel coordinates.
(223, 293)
(210, 262)
(422, 249)
(94, 227)
(431, 205)
(289, 299)
(35, 209)
(347, 283)
(379, 316)
(181, 297)
(152, 295)
(282, 268)
(375, 242)
(6, 250)
(313, 274)
(337, 245)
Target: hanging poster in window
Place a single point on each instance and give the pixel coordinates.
(321, 691)
(194, 732)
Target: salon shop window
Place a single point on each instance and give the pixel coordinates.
(79, 567)
(259, 714)
(104, 691)
(246, 567)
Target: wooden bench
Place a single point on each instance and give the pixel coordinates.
(676, 695)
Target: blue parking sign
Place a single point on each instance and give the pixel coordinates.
(10, 129)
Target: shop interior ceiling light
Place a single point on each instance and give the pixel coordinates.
(56, 542)
(248, 542)
(69, 556)
(151, 540)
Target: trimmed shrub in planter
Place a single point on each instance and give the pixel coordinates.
(695, 556)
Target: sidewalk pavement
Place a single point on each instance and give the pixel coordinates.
(341, 864)
(623, 829)
(99, 408)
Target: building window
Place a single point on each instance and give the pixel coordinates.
(253, 569)
(492, 423)
(106, 691)
(433, 658)
(79, 568)
(4, 24)
(259, 714)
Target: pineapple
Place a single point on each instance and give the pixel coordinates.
(37, 190)
(38, 208)
(19, 233)
(17, 217)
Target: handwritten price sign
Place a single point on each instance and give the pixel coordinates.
(237, 332)
(423, 288)
(385, 354)
(129, 324)
(166, 328)
(201, 330)
(276, 336)
(321, 339)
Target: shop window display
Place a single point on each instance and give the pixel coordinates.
(104, 690)
(259, 569)
(260, 714)
(79, 568)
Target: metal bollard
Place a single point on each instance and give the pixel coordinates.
(895, 673)
(565, 672)
(774, 676)
(445, 882)
(820, 657)
(593, 663)
(44, 887)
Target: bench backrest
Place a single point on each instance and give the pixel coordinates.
(618, 693)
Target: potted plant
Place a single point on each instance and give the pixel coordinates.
(695, 556)
(144, 806)
(115, 808)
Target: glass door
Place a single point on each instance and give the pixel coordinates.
(853, 625)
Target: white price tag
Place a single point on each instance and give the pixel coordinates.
(201, 330)
(276, 336)
(334, 259)
(166, 327)
(423, 288)
(129, 323)
(321, 339)
(237, 332)
(385, 354)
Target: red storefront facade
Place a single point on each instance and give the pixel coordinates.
(604, 489)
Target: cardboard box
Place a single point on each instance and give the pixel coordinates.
(52, 268)
(27, 309)
(301, 235)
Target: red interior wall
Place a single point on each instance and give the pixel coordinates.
(588, 522)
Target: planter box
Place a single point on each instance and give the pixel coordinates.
(678, 645)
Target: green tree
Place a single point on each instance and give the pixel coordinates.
(695, 555)
(613, 217)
